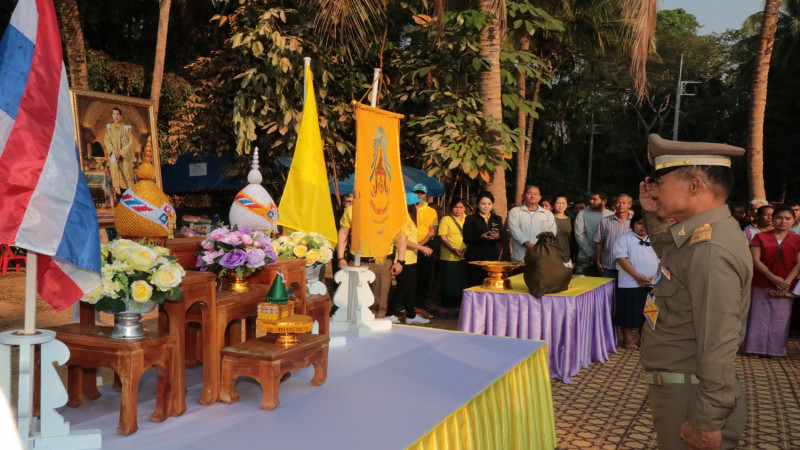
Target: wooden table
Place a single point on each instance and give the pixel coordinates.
(267, 362)
(199, 288)
(294, 273)
(229, 306)
(92, 347)
(185, 249)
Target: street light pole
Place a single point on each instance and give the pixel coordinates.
(680, 92)
(591, 153)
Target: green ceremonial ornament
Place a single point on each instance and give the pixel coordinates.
(277, 293)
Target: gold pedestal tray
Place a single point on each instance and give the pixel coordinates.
(234, 282)
(498, 273)
(287, 328)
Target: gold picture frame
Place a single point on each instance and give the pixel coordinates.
(111, 131)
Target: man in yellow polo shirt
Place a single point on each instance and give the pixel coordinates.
(427, 227)
(383, 271)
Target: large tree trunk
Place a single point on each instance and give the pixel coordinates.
(489, 86)
(758, 100)
(161, 50)
(72, 35)
(522, 154)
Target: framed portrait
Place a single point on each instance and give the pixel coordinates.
(112, 131)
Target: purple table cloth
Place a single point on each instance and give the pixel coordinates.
(576, 326)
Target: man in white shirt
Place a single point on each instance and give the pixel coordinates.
(526, 222)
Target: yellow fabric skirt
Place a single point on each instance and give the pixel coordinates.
(514, 412)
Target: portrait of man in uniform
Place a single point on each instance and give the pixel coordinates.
(697, 311)
(111, 132)
(119, 152)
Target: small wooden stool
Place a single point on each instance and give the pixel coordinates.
(267, 362)
(92, 347)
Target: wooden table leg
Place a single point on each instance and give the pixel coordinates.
(227, 389)
(163, 394)
(250, 327)
(270, 380)
(320, 368)
(129, 400)
(211, 361)
(172, 319)
(90, 384)
(74, 386)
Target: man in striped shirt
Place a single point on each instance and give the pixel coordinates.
(611, 228)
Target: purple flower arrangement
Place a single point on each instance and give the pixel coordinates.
(238, 250)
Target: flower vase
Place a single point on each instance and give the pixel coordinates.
(313, 284)
(127, 324)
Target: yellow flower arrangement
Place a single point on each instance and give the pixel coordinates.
(313, 247)
(135, 276)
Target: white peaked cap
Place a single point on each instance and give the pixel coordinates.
(253, 207)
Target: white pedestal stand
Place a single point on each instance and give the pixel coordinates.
(52, 431)
(354, 297)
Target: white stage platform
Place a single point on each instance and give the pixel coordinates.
(382, 392)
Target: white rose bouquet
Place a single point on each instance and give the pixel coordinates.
(313, 247)
(134, 277)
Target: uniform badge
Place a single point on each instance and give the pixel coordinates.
(651, 310)
(682, 232)
(702, 233)
(666, 272)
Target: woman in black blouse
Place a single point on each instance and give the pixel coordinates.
(483, 231)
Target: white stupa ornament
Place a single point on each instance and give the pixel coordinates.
(253, 207)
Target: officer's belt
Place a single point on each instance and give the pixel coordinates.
(659, 378)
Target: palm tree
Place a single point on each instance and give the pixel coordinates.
(643, 16)
(161, 50)
(72, 35)
(758, 100)
(489, 86)
(592, 25)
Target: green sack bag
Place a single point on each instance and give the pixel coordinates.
(546, 269)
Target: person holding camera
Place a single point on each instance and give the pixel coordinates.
(483, 231)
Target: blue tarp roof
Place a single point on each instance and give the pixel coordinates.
(203, 172)
(411, 176)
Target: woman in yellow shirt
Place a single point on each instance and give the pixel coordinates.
(404, 294)
(452, 266)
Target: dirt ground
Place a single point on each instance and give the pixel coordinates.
(12, 307)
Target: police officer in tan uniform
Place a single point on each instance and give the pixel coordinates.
(696, 315)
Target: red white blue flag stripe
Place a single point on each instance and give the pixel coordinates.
(45, 205)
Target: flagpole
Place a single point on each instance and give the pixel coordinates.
(373, 98)
(306, 63)
(30, 293)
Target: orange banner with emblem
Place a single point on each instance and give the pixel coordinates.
(379, 190)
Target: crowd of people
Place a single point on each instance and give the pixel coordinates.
(679, 253)
(601, 239)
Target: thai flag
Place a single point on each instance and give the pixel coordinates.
(45, 205)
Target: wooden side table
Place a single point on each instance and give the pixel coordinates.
(230, 307)
(319, 308)
(267, 362)
(92, 346)
(294, 272)
(185, 249)
(199, 288)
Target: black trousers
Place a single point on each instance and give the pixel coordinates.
(426, 275)
(405, 293)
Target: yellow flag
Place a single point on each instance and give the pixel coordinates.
(306, 202)
(378, 189)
